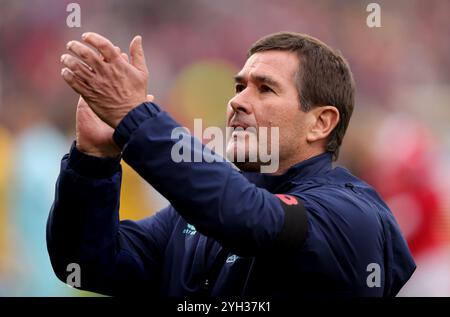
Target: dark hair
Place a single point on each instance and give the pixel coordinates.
(324, 77)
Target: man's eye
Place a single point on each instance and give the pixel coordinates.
(265, 88)
(239, 88)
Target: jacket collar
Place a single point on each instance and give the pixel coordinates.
(313, 166)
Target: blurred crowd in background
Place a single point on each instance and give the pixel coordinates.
(398, 139)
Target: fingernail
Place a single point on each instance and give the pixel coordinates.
(63, 71)
(84, 35)
(62, 58)
(69, 44)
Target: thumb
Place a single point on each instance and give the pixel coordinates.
(137, 54)
(82, 103)
(84, 112)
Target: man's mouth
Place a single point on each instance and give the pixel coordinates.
(241, 131)
(239, 125)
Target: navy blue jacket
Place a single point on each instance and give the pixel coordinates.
(315, 231)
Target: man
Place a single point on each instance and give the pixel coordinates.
(307, 230)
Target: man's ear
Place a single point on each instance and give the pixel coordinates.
(324, 120)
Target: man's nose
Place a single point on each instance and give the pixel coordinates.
(241, 103)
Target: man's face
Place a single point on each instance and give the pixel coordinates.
(266, 96)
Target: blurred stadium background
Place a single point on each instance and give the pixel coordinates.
(398, 140)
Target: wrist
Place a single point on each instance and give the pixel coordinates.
(91, 166)
(126, 109)
(109, 151)
(132, 121)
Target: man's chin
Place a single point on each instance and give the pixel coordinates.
(248, 166)
(240, 156)
(243, 164)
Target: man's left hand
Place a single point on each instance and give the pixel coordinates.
(110, 85)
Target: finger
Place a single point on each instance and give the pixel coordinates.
(77, 84)
(137, 54)
(102, 44)
(150, 98)
(122, 54)
(125, 57)
(86, 54)
(77, 67)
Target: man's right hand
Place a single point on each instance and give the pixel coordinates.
(95, 137)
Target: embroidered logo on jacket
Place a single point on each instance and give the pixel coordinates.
(232, 258)
(189, 230)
